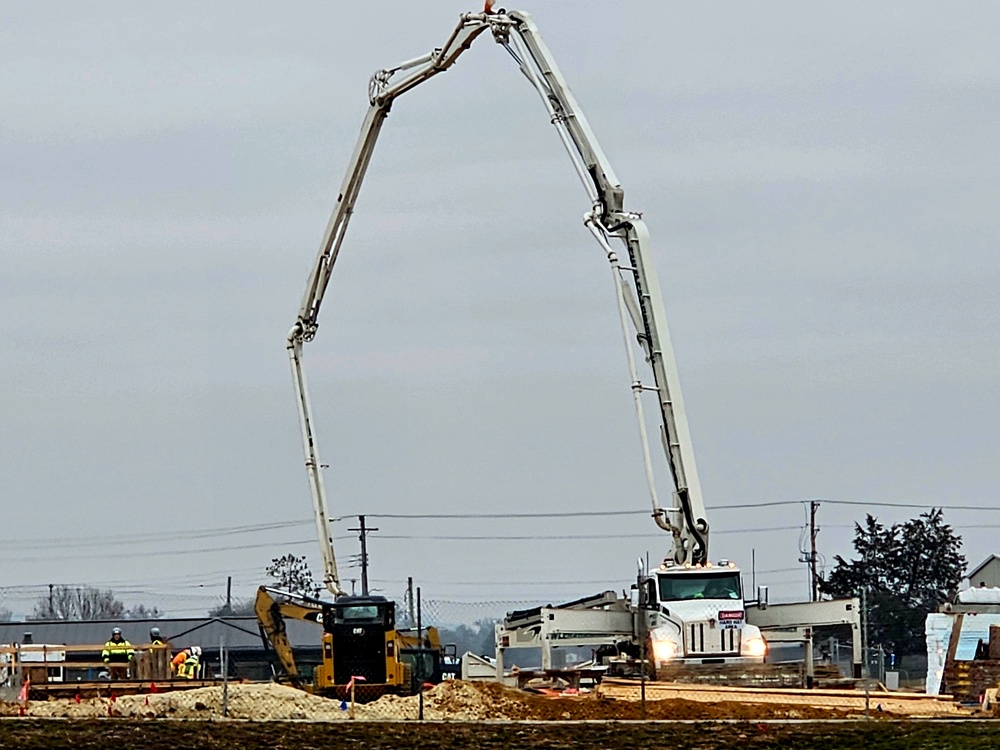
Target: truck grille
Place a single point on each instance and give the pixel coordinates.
(702, 638)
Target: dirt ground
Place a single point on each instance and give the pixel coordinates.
(450, 701)
(34, 734)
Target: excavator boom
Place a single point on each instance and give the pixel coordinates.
(273, 607)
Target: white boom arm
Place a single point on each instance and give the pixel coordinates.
(637, 289)
(639, 301)
(381, 97)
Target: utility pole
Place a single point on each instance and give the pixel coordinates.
(229, 595)
(409, 600)
(363, 533)
(813, 531)
(865, 667)
(809, 556)
(52, 612)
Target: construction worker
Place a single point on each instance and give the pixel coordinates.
(159, 656)
(187, 662)
(118, 655)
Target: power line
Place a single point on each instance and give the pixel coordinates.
(562, 537)
(600, 582)
(869, 503)
(275, 545)
(734, 506)
(158, 553)
(224, 531)
(146, 538)
(574, 514)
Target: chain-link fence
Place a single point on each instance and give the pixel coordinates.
(430, 660)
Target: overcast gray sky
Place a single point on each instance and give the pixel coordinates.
(820, 183)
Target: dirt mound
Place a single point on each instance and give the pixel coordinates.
(487, 701)
(453, 700)
(90, 708)
(258, 702)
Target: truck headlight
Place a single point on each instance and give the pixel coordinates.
(664, 650)
(754, 646)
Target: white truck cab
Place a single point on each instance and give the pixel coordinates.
(695, 614)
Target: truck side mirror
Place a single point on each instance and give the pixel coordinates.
(762, 597)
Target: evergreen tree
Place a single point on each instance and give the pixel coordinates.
(906, 570)
(292, 574)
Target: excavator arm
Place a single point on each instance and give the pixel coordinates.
(636, 286)
(273, 607)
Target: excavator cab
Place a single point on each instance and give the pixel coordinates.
(426, 662)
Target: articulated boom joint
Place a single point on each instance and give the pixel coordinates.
(301, 332)
(378, 83)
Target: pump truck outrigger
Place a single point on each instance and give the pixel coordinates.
(676, 606)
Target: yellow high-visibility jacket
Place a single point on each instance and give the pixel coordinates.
(120, 652)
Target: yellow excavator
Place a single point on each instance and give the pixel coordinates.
(360, 644)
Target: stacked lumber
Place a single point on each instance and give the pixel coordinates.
(739, 675)
(967, 680)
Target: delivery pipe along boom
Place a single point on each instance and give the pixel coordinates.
(636, 283)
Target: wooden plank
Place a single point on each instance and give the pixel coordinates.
(835, 700)
(118, 687)
(772, 691)
(956, 633)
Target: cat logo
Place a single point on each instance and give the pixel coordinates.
(358, 631)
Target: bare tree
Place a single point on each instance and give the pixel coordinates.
(235, 608)
(142, 612)
(86, 603)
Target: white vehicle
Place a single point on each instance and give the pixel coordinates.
(696, 614)
(690, 609)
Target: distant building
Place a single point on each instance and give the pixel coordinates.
(987, 573)
(239, 636)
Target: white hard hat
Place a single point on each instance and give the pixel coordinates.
(196, 650)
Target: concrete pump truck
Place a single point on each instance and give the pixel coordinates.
(688, 608)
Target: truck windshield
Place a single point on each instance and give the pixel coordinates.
(679, 587)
